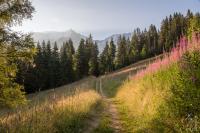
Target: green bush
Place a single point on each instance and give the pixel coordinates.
(185, 100)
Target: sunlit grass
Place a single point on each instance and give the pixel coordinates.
(105, 121)
(140, 102)
(145, 101)
(63, 110)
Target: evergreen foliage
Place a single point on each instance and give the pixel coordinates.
(14, 48)
(52, 67)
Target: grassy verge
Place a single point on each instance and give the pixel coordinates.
(110, 85)
(64, 114)
(105, 121)
(164, 101)
(142, 100)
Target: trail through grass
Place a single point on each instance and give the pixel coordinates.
(85, 106)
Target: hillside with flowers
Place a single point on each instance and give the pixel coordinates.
(146, 80)
(165, 97)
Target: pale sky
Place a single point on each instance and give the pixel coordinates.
(102, 17)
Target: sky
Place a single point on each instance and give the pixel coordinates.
(102, 18)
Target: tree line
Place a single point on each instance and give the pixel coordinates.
(14, 47)
(52, 67)
(26, 68)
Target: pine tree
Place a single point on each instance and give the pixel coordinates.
(152, 40)
(133, 52)
(80, 60)
(49, 71)
(39, 68)
(55, 67)
(70, 54)
(104, 58)
(93, 62)
(164, 39)
(13, 46)
(71, 47)
(64, 65)
(122, 57)
(194, 25)
(111, 53)
(88, 51)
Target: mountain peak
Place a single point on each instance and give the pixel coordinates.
(59, 37)
(71, 31)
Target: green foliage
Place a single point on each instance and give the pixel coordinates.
(194, 25)
(104, 60)
(105, 120)
(66, 64)
(93, 62)
(168, 98)
(104, 126)
(122, 54)
(186, 89)
(80, 60)
(70, 123)
(14, 48)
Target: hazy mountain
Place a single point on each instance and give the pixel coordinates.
(102, 43)
(61, 37)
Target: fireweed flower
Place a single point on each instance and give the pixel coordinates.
(176, 53)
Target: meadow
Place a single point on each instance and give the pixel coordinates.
(164, 97)
(64, 109)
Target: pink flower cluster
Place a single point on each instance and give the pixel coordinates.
(182, 46)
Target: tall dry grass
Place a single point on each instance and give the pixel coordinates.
(145, 100)
(61, 110)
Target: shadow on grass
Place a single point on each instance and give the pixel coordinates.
(111, 85)
(157, 126)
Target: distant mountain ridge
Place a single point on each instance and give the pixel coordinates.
(61, 37)
(115, 39)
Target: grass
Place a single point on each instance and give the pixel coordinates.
(67, 108)
(112, 81)
(63, 110)
(105, 121)
(165, 96)
(104, 126)
(141, 102)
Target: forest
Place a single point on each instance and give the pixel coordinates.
(149, 82)
(53, 67)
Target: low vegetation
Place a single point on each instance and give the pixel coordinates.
(105, 121)
(165, 96)
(62, 110)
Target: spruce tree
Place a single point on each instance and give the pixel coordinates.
(49, 71)
(55, 66)
(93, 62)
(64, 65)
(122, 57)
(111, 53)
(104, 58)
(88, 52)
(80, 60)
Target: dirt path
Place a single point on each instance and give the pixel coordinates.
(92, 122)
(114, 115)
(112, 112)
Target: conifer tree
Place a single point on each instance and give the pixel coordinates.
(122, 58)
(55, 66)
(104, 58)
(111, 53)
(88, 51)
(93, 62)
(80, 60)
(64, 65)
